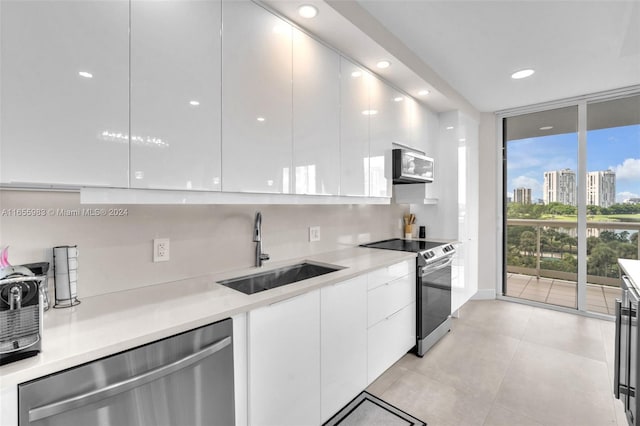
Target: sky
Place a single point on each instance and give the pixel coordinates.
(616, 148)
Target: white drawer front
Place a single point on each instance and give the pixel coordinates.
(389, 340)
(388, 298)
(384, 275)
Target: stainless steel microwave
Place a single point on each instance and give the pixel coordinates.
(411, 167)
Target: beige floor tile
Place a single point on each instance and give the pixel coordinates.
(597, 308)
(387, 378)
(501, 416)
(524, 279)
(558, 369)
(480, 373)
(551, 405)
(562, 301)
(435, 402)
(495, 316)
(561, 289)
(572, 333)
(510, 364)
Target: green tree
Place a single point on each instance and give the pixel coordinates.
(528, 242)
(602, 261)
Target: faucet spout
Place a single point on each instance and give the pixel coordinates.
(257, 238)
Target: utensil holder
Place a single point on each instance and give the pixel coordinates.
(65, 267)
(408, 232)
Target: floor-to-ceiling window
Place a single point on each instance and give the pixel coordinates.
(571, 202)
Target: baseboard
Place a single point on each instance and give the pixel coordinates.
(484, 294)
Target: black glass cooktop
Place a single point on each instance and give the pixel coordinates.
(403, 245)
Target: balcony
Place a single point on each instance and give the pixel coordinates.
(542, 261)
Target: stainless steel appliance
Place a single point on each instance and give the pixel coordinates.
(433, 287)
(21, 312)
(626, 372)
(411, 167)
(185, 379)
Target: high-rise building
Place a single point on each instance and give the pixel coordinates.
(560, 187)
(601, 188)
(522, 195)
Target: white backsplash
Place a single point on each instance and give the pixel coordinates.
(115, 252)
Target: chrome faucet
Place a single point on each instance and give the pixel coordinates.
(257, 238)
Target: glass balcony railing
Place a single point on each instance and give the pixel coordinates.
(542, 260)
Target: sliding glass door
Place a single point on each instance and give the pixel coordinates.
(572, 202)
(541, 206)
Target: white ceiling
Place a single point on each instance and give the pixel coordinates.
(576, 47)
(465, 51)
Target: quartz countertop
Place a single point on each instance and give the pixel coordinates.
(632, 269)
(110, 323)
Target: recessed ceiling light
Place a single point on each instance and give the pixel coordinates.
(307, 11)
(383, 64)
(398, 99)
(260, 119)
(85, 74)
(449, 127)
(546, 128)
(369, 112)
(356, 74)
(522, 74)
(423, 92)
(194, 103)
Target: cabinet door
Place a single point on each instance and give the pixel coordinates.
(390, 339)
(65, 93)
(316, 117)
(284, 362)
(175, 94)
(390, 124)
(344, 343)
(256, 101)
(354, 129)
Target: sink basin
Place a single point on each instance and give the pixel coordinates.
(267, 280)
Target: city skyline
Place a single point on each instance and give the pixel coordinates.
(616, 149)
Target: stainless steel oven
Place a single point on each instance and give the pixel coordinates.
(434, 301)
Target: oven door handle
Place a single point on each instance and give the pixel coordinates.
(428, 269)
(58, 407)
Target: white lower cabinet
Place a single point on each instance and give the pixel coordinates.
(310, 355)
(389, 340)
(284, 362)
(391, 320)
(343, 330)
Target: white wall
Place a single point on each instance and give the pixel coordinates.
(489, 217)
(116, 252)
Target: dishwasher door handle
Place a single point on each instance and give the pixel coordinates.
(54, 408)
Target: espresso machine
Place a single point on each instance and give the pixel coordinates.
(21, 311)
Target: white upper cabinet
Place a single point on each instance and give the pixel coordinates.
(316, 117)
(354, 129)
(256, 100)
(65, 93)
(175, 94)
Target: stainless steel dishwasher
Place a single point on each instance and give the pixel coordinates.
(182, 380)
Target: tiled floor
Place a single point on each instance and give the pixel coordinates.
(510, 364)
(558, 292)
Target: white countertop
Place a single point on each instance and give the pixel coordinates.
(111, 323)
(632, 269)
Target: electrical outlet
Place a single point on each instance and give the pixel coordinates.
(160, 249)
(314, 233)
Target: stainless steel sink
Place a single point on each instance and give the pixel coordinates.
(267, 280)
